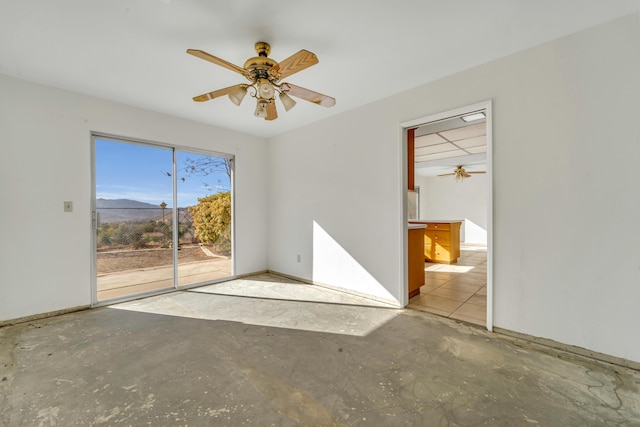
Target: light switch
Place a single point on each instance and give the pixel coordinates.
(68, 206)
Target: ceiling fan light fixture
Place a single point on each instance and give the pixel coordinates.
(237, 95)
(265, 89)
(473, 117)
(261, 108)
(287, 101)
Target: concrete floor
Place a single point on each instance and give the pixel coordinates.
(276, 357)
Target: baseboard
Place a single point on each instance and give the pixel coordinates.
(43, 315)
(390, 303)
(241, 276)
(566, 348)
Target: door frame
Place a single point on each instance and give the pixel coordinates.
(404, 127)
(174, 215)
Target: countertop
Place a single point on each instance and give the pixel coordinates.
(441, 221)
(416, 226)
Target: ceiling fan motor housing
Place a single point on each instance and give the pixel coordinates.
(260, 65)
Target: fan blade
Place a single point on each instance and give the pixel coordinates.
(447, 174)
(296, 62)
(477, 172)
(272, 112)
(214, 59)
(309, 95)
(216, 93)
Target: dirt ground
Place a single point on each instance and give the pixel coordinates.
(114, 261)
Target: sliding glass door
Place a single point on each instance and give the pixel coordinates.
(141, 191)
(204, 218)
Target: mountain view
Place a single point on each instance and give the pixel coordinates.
(132, 210)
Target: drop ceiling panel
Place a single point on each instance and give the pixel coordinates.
(465, 132)
(443, 155)
(471, 142)
(476, 150)
(435, 149)
(426, 140)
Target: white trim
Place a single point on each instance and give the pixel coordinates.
(404, 213)
(232, 184)
(487, 107)
(132, 140)
(175, 225)
(446, 115)
(93, 280)
(489, 121)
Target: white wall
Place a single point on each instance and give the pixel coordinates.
(446, 198)
(45, 254)
(320, 176)
(566, 200)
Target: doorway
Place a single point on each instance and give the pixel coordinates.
(449, 155)
(162, 218)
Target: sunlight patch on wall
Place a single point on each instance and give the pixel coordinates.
(334, 266)
(473, 233)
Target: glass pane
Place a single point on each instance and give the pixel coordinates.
(204, 216)
(134, 204)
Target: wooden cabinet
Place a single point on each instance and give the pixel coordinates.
(441, 241)
(416, 260)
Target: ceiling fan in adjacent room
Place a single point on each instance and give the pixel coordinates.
(460, 173)
(265, 75)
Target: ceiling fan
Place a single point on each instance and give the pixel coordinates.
(460, 173)
(265, 75)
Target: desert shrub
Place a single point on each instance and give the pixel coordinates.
(212, 221)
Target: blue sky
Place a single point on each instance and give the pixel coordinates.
(139, 172)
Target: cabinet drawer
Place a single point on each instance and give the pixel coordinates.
(438, 226)
(441, 237)
(439, 253)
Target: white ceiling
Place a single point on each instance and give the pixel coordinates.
(133, 52)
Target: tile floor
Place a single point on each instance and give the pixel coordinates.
(458, 291)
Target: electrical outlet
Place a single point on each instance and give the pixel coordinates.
(68, 206)
(298, 258)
